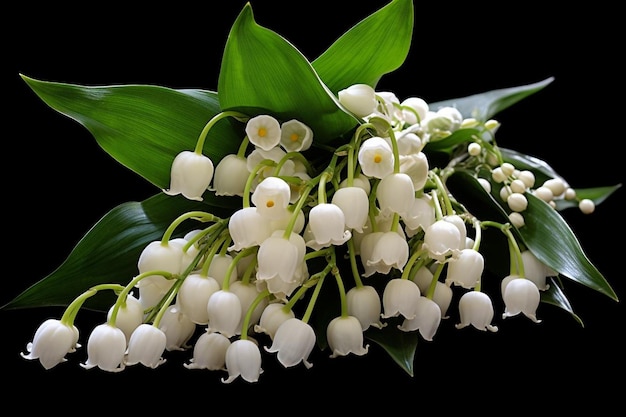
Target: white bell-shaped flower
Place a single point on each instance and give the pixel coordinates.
(209, 352)
(243, 358)
(536, 271)
(274, 314)
(359, 99)
(158, 256)
(328, 226)
(263, 131)
(416, 166)
(442, 239)
(271, 198)
(427, 319)
(421, 214)
(364, 303)
(360, 181)
(146, 346)
(178, 328)
(276, 154)
(390, 250)
(247, 228)
(345, 335)
(129, 315)
(295, 136)
(409, 143)
(247, 293)
(106, 348)
(366, 249)
(193, 296)
(52, 341)
(458, 221)
(442, 295)
(376, 157)
(294, 340)
(280, 257)
(224, 308)
(476, 308)
(466, 269)
(231, 175)
(354, 203)
(419, 107)
(400, 298)
(521, 295)
(191, 175)
(395, 194)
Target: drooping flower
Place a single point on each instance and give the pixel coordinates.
(442, 239)
(158, 256)
(243, 358)
(279, 257)
(191, 175)
(360, 99)
(390, 251)
(209, 352)
(52, 341)
(400, 298)
(146, 346)
(345, 336)
(442, 294)
(129, 315)
(274, 314)
(263, 131)
(521, 295)
(328, 226)
(476, 308)
(178, 328)
(247, 228)
(106, 347)
(395, 194)
(466, 269)
(536, 271)
(364, 303)
(427, 319)
(193, 296)
(271, 198)
(247, 293)
(294, 340)
(354, 203)
(224, 308)
(230, 177)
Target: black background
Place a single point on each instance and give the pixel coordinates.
(58, 183)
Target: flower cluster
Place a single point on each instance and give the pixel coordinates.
(373, 206)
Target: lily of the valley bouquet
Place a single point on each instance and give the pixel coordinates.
(298, 207)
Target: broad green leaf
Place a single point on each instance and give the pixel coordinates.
(262, 72)
(555, 296)
(399, 345)
(545, 233)
(596, 194)
(449, 143)
(377, 45)
(143, 127)
(109, 252)
(484, 106)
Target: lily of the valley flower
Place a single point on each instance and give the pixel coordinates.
(442, 239)
(427, 319)
(466, 269)
(354, 204)
(243, 358)
(364, 304)
(230, 177)
(247, 228)
(129, 316)
(52, 341)
(146, 346)
(476, 308)
(263, 131)
(360, 99)
(521, 295)
(395, 194)
(294, 340)
(442, 294)
(345, 336)
(209, 352)
(191, 175)
(193, 296)
(273, 316)
(178, 328)
(271, 198)
(224, 308)
(295, 136)
(376, 157)
(328, 226)
(400, 298)
(106, 348)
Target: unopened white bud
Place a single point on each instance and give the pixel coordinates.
(485, 184)
(517, 202)
(516, 219)
(556, 185)
(587, 206)
(474, 149)
(508, 169)
(570, 194)
(528, 177)
(518, 186)
(544, 193)
(498, 175)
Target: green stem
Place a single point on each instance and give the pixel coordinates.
(233, 264)
(199, 215)
(212, 122)
(72, 309)
(246, 320)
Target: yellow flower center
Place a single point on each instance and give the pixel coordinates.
(377, 159)
(262, 132)
(269, 204)
(294, 137)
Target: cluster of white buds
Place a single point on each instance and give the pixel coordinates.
(373, 207)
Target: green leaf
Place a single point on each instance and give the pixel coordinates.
(109, 252)
(596, 194)
(555, 296)
(142, 126)
(484, 106)
(377, 45)
(399, 345)
(545, 233)
(262, 72)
